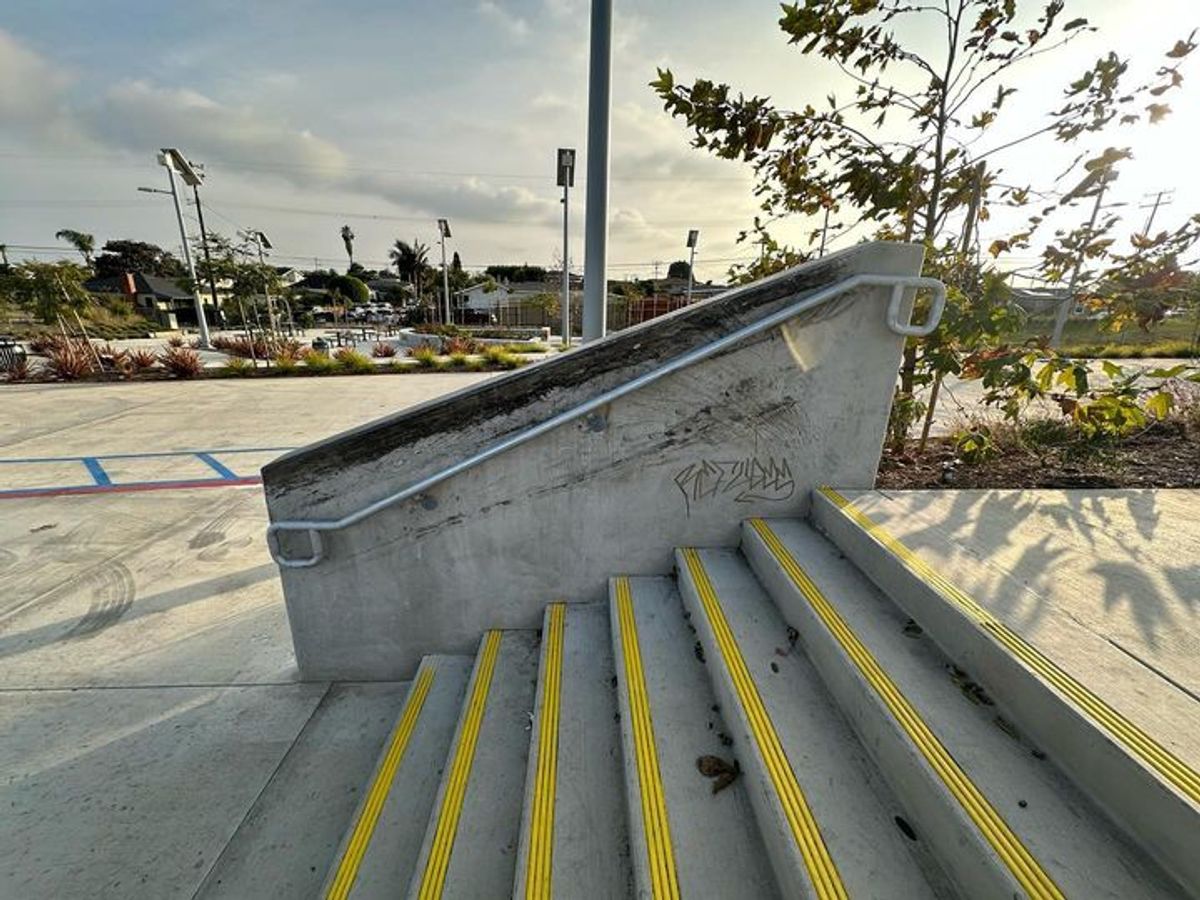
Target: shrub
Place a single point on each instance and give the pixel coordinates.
(70, 360)
(383, 351)
(458, 344)
(458, 360)
(286, 363)
(425, 356)
(243, 347)
(526, 348)
(349, 360)
(20, 370)
(44, 342)
(475, 365)
(237, 365)
(180, 361)
(175, 341)
(115, 359)
(318, 363)
(141, 360)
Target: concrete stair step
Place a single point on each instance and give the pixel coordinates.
(379, 849)
(830, 824)
(574, 837)
(470, 843)
(685, 840)
(1113, 740)
(1001, 821)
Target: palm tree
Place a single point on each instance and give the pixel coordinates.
(411, 261)
(81, 241)
(348, 240)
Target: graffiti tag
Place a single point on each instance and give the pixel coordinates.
(749, 480)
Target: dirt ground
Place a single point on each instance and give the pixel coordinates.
(1165, 456)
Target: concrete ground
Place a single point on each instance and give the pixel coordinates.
(149, 704)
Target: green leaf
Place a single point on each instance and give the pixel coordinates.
(1112, 370)
(1172, 372)
(1160, 405)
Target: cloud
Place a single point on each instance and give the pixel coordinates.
(32, 94)
(137, 115)
(514, 25)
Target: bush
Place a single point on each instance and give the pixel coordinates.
(383, 351)
(20, 370)
(425, 356)
(318, 363)
(115, 359)
(349, 360)
(180, 361)
(458, 360)
(239, 366)
(175, 341)
(243, 347)
(69, 360)
(141, 360)
(462, 345)
(475, 365)
(526, 348)
(44, 342)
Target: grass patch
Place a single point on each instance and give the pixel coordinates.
(238, 366)
(353, 362)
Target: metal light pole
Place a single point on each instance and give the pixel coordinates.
(566, 179)
(595, 279)
(263, 243)
(444, 231)
(693, 239)
(1064, 308)
(165, 160)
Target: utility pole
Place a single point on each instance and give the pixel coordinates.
(595, 301)
(1158, 201)
(693, 239)
(444, 232)
(566, 179)
(167, 160)
(1064, 308)
(212, 281)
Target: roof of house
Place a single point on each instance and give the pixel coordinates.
(161, 288)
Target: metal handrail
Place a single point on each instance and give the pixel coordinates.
(898, 283)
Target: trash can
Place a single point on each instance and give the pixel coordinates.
(12, 354)
(320, 345)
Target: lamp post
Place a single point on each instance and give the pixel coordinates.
(262, 242)
(595, 279)
(166, 159)
(692, 241)
(444, 232)
(566, 180)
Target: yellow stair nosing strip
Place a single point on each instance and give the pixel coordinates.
(822, 870)
(381, 785)
(655, 823)
(1008, 847)
(1137, 742)
(538, 880)
(433, 879)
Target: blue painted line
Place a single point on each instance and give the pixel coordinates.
(97, 470)
(161, 453)
(221, 470)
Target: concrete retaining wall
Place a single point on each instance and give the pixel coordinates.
(682, 461)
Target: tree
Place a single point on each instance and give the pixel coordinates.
(910, 152)
(456, 263)
(517, 273)
(348, 241)
(350, 289)
(411, 262)
(47, 289)
(679, 269)
(118, 257)
(81, 241)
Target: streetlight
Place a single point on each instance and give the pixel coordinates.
(444, 232)
(166, 159)
(692, 241)
(595, 278)
(566, 180)
(264, 243)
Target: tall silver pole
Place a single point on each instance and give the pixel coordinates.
(566, 272)
(274, 320)
(445, 278)
(596, 239)
(187, 259)
(1064, 307)
(691, 274)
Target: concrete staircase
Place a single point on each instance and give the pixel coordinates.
(769, 722)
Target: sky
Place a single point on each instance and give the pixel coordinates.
(310, 114)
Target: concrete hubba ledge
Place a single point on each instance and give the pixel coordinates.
(749, 431)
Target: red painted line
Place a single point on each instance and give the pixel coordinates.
(131, 488)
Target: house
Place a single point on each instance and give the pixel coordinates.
(513, 303)
(289, 276)
(667, 295)
(161, 300)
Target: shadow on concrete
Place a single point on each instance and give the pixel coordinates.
(99, 618)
